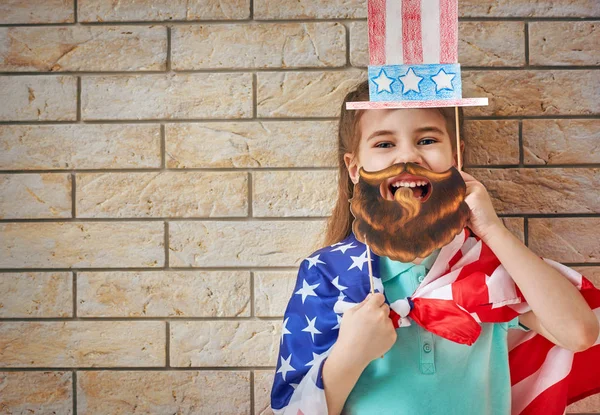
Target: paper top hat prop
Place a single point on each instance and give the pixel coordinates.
(413, 49)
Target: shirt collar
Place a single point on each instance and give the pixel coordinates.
(388, 268)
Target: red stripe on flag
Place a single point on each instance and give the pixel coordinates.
(448, 31)
(412, 44)
(377, 14)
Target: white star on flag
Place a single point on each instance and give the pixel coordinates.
(285, 366)
(410, 81)
(358, 261)
(313, 261)
(317, 358)
(284, 330)
(443, 80)
(341, 296)
(307, 290)
(336, 282)
(383, 82)
(339, 320)
(336, 244)
(344, 248)
(311, 327)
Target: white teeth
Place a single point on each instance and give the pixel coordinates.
(409, 184)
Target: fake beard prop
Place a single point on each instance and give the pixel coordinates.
(404, 223)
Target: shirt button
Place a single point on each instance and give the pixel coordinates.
(427, 348)
(421, 278)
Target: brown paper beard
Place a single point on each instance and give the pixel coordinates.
(406, 228)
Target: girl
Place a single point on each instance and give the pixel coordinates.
(373, 368)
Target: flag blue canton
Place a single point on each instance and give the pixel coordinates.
(310, 325)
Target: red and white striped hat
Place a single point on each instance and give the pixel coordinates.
(413, 48)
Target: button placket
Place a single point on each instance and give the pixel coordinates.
(426, 345)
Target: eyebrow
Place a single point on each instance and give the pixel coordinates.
(427, 129)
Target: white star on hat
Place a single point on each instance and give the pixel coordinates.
(410, 81)
(358, 261)
(311, 327)
(383, 82)
(285, 366)
(313, 261)
(443, 80)
(307, 290)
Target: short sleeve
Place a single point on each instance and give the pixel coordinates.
(515, 324)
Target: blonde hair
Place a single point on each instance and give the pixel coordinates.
(339, 224)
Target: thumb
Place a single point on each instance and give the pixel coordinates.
(362, 303)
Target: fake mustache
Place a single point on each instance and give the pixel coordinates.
(377, 177)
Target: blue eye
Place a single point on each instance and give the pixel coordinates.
(427, 141)
(380, 145)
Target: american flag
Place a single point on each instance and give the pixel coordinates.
(469, 283)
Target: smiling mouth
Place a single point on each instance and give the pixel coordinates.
(420, 186)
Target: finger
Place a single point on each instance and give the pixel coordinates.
(467, 177)
(376, 300)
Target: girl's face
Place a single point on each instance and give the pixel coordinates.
(394, 136)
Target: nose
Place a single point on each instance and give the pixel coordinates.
(408, 153)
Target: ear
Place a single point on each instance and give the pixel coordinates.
(352, 166)
(462, 153)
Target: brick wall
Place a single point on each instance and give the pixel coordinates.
(166, 165)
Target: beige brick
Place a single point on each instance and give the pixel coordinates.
(162, 194)
(547, 92)
(589, 405)
(516, 226)
(591, 273)
(293, 193)
(252, 144)
(83, 48)
(36, 294)
(38, 98)
(36, 393)
(200, 95)
(304, 94)
(236, 243)
(491, 142)
(161, 10)
(81, 245)
(272, 292)
(82, 344)
(359, 43)
(565, 239)
(491, 43)
(541, 190)
(561, 141)
(283, 45)
(163, 392)
(36, 11)
(35, 196)
(224, 343)
(263, 383)
(79, 146)
(564, 43)
(310, 9)
(479, 44)
(164, 294)
(528, 8)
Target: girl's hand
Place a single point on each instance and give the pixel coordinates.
(366, 330)
(483, 219)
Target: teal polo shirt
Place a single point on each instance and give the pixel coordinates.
(426, 374)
